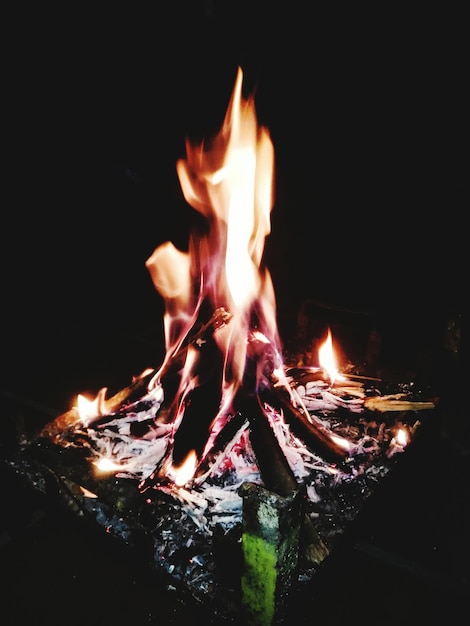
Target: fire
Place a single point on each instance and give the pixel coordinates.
(185, 471)
(399, 442)
(401, 437)
(327, 359)
(222, 393)
(90, 409)
(222, 347)
(107, 465)
(229, 182)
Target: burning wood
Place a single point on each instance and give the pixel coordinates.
(307, 427)
(229, 183)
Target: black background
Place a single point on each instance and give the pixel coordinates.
(366, 116)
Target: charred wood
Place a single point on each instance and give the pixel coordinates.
(200, 409)
(228, 435)
(276, 472)
(312, 433)
(132, 392)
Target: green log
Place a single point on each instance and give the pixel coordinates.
(270, 547)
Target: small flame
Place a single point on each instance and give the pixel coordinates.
(107, 465)
(185, 471)
(88, 410)
(398, 442)
(401, 437)
(327, 358)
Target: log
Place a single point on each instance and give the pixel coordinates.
(315, 435)
(276, 472)
(270, 547)
(56, 427)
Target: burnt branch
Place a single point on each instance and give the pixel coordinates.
(312, 433)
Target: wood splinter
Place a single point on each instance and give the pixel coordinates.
(395, 402)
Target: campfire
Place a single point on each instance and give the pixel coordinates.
(190, 453)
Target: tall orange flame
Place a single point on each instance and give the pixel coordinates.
(229, 182)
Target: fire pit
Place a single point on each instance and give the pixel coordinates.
(235, 466)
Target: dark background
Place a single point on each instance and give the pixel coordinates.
(366, 113)
(366, 116)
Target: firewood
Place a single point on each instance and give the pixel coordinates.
(270, 541)
(229, 434)
(276, 472)
(319, 438)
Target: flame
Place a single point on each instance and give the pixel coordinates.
(327, 359)
(401, 437)
(185, 471)
(398, 442)
(229, 182)
(107, 465)
(88, 410)
(87, 493)
(218, 292)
